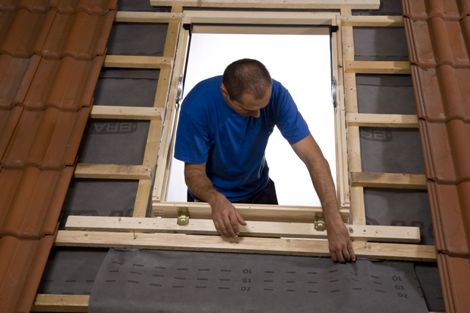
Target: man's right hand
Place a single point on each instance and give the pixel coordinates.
(227, 219)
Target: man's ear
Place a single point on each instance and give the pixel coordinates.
(224, 91)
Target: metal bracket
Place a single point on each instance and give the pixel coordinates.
(183, 216)
(319, 223)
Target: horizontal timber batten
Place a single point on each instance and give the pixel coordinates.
(256, 212)
(112, 171)
(61, 303)
(372, 21)
(382, 120)
(146, 17)
(378, 67)
(135, 61)
(388, 180)
(274, 4)
(253, 228)
(125, 112)
(307, 247)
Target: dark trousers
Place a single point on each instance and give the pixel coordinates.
(265, 196)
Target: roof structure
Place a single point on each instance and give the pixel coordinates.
(51, 52)
(438, 35)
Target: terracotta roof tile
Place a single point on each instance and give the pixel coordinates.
(446, 150)
(32, 5)
(450, 229)
(21, 265)
(66, 84)
(8, 121)
(24, 31)
(455, 275)
(47, 139)
(443, 83)
(34, 212)
(16, 75)
(438, 36)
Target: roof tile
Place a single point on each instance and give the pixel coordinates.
(32, 5)
(32, 200)
(27, 259)
(447, 204)
(25, 32)
(47, 139)
(447, 151)
(455, 275)
(8, 121)
(422, 9)
(16, 75)
(425, 34)
(66, 84)
(443, 83)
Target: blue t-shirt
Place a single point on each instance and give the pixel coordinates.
(231, 145)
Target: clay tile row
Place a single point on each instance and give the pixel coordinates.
(32, 5)
(422, 9)
(455, 275)
(444, 82)
(446, 151)
(21, 266)
(54, 34)
(8, 121)
(31, 201)
(91, 6)
(447, 204)
(48, 139)
(437, 41)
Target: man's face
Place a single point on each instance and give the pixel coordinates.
(247, 105)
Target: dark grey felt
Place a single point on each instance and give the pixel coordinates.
(380, 44)
(385, 94)
(137, 39)
(160, 281)
(126, 87)
(99, 198)
(71, 271)
(391, 150)
(428, 276)
(114, 141)
(400, 208)
(139, 5)
(387, 7)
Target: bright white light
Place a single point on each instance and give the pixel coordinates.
(302, 64)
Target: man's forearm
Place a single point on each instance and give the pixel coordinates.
(199, 184)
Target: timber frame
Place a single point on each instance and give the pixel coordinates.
(272, 225)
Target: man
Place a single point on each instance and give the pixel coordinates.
(223, 130)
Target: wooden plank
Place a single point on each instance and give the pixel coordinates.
(135, 61)
(112, 171)
(60, 303)
(378, 67)
(125, 112)
(254, 212)
(372, 21)
(382, 120)
(253, 228)
(146, 17)
(290, 246)
(388, 180)
(273, 4)
(257, 19)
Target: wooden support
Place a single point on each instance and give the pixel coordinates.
(273, 4)
(382, 120)
(378, 67)
(388, 180)
(125, 112)
(112, 171)
(372, 21)
(307, 247)
(135, 61)
(253, 228)
(146, 17)
(254, 212)
(60, 303)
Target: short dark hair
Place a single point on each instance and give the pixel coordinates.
(246, 76)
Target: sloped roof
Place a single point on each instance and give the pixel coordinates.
(51, 52)
(438, 35)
